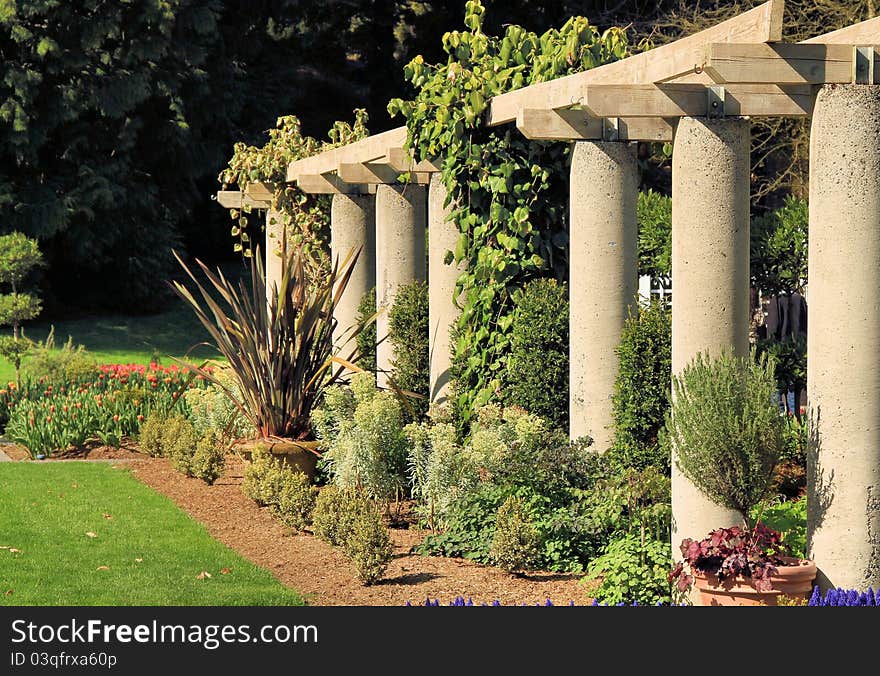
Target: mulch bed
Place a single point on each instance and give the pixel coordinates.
(321, 572)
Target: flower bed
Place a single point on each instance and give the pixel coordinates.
(107, 406)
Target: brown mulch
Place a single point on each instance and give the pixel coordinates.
(322, 573)
(318, 571)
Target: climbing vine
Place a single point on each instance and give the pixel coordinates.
(306, 217)
(509, 194)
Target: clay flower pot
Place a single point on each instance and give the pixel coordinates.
(300, 456)
(794, 579)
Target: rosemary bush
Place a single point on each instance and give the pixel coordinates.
(726, 428)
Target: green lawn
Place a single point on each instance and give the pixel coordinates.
(129, 338)
(153, 552)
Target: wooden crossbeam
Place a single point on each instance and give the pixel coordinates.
(235, 199)
(567, 124)
(331, 184)
(761, 24)
(402, 160)
(677, 100)
(368, 149)
(376, 173)
(864, 33)
(782, 64)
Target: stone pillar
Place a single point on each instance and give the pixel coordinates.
(710, 275)
(603, 279)
(400, 256)
(353, 226)
(843, 335)
(442, 311)
(276, 252)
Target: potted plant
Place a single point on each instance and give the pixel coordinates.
(280, 350)
(728, 434)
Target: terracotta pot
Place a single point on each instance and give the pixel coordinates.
(793, 579)
(300, 456)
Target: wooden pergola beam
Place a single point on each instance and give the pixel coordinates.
(761, 24)
(235, 199)
(375, 173)
(331, 184)
(677, 100)
(367, 149)
(864, 33)
(567, 124)
(781, 63)
(402, 160)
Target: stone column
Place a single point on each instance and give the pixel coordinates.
(353, 226)
(710, 275)
(400, 256)
(442, 311)
(843, 370)
(276, 252)
(603, 279)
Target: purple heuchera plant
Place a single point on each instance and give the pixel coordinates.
(728, 552)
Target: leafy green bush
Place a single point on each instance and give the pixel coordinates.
(408, 333)
(726, 428)
(179, 443)
(295, 502)
(212, 410)
(368, 543)
(209, 458)
(333, 515)
(655, 234)
(537, 369)
(515, 543)
(779, 244)
(68, 364)
(641, 392)
(560, 485)
(288, 494)
(150, 437)
(789, 517)
(366, 339)
(632, 570)
(361, 430)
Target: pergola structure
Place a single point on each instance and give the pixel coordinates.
(697, 93)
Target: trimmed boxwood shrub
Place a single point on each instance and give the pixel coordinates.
(408, 333)
(537, 370)
(641, 393)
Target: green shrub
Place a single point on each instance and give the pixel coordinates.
(779, 245)
(296, 501)
(641, 392)
(726, 429)
(262, 477)
(150, 435)
(655, 234)
(179, 443)
(334, 513)
(366, 339)
(789, 517)
(408, 333)
(368, 543)
(212, 410)
(632, 570)
(361, 430)
(209, 458)
(562, 486)
(515, 544)
(68, 364)
(537, 369)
